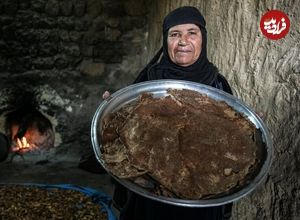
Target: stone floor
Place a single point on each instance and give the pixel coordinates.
(54, 173)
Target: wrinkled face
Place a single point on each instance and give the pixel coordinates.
(184, 44)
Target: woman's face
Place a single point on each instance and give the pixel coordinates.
(184, 44)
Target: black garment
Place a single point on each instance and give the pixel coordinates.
(202, 71)
(140, 208)
(160, 211)
(4, 147)
(183, 15)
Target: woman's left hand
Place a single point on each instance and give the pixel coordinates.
(106, 95)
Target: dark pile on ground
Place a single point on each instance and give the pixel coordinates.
(28, 202)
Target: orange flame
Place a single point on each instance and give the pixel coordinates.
(22, 145)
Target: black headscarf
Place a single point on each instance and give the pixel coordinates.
(201, 71)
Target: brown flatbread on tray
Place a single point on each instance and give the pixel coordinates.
(188, 144)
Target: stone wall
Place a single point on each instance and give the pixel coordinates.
(90, 35)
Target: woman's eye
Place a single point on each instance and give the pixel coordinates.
(192, 33)
(174, 35)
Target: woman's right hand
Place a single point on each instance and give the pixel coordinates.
(106, 95)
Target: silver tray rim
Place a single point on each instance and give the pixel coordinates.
(158, 88)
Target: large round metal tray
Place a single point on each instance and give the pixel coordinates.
(159, 88)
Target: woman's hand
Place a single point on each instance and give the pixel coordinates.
(106, 95)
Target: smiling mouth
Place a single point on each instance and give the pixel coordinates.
(183, 51)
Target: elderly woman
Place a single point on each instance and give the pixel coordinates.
(183, 57)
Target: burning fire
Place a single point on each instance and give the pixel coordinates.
(22, 145)
(27, 128)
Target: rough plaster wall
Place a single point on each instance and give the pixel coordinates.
(264, 74)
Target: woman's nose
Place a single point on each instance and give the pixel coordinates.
(183, 40)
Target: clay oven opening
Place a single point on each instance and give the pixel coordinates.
(28, 130)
